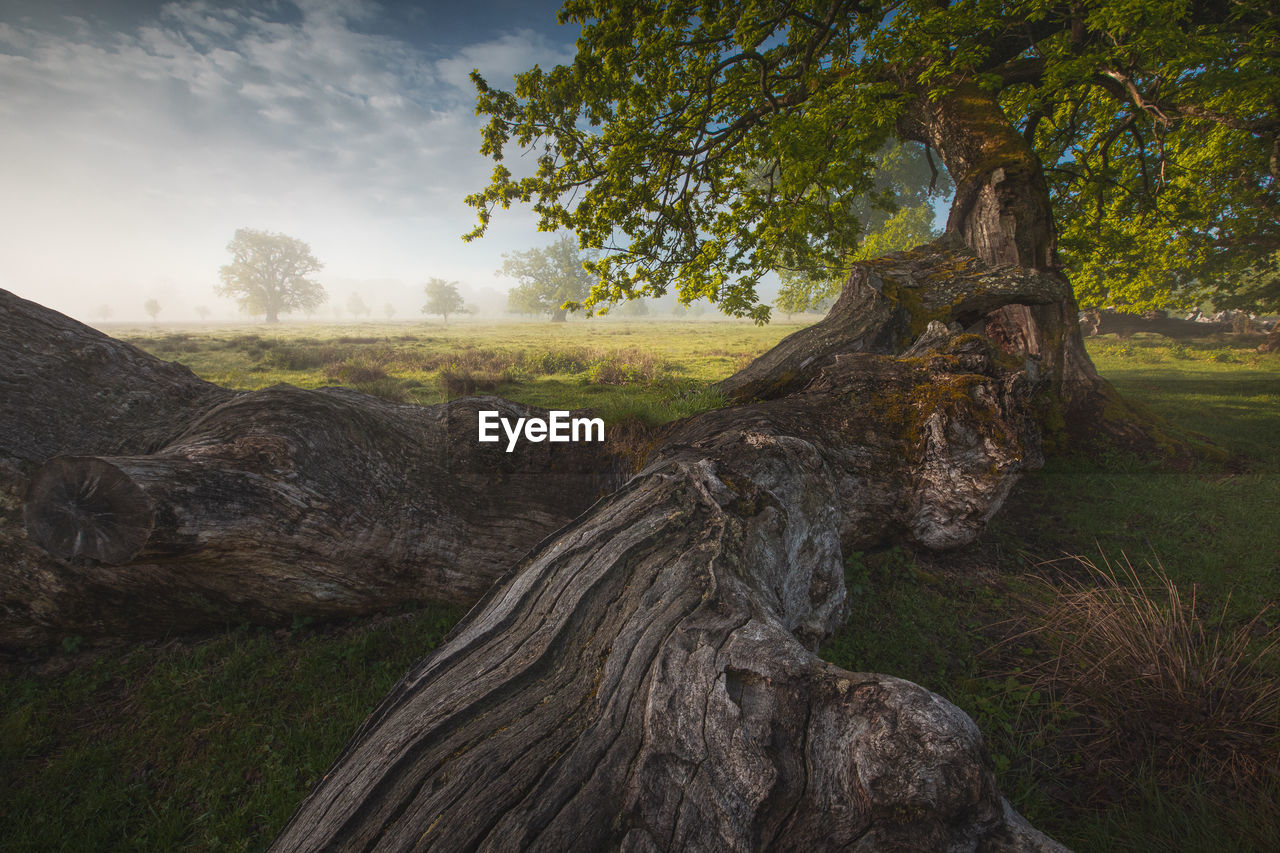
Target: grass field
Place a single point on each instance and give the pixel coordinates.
(209, 743)
(650, 370)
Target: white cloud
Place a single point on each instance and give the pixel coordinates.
(500, 59)
(130, 157)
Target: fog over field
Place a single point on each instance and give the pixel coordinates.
(135, 137)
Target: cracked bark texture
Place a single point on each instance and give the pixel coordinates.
(643, 680)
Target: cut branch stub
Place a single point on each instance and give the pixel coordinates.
(287, 501)
(88, 509)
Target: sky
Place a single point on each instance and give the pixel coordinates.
(136, 137)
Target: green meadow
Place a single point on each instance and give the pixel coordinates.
(650, 370)
(1111, 631)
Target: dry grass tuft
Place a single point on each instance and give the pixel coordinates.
(466, 381)
(357, 370)
(1157, 684)
(305, 356)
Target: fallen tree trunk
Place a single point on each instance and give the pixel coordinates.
(187, 506)
(1096, 322)
(643, 680)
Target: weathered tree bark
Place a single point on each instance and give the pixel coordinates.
(187, 506)
(641, 681)
(1002, 211)
(1271, 343)
(67, 388)
(887, 303)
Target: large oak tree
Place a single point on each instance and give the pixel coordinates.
(642, 678)
(268, 274)
(701, 144)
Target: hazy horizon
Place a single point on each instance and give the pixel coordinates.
(136, 136)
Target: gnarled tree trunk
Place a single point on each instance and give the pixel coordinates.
(1002, 212)
(640, 682)
(642, 679)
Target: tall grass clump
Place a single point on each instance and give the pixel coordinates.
(1159, 687)
(305, 356)
(626, 367)
(463, 381)
(357, 370)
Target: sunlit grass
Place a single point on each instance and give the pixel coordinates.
(652, 371)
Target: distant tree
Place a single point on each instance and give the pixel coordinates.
(389, 310)
(792, 301)
(551, 280)
(202, 312)
(103, 312)
(268, 274)
(356, 307)
(152, 307)
(443, 298)
(635, 308)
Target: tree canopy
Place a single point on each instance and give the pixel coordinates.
(702, 144)
(550, 280)
(443, 298)
(268, 274)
